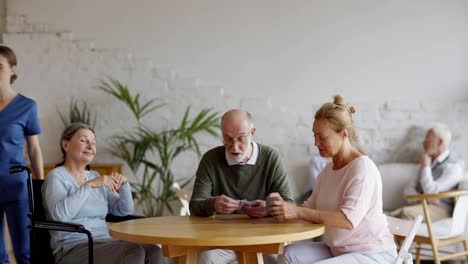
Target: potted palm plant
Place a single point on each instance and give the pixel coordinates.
(78, 112)
(150, 153)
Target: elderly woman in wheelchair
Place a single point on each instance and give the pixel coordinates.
(73, 194)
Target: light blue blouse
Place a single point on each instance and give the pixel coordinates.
(65, 201)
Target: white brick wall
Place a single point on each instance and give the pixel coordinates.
(55, 66)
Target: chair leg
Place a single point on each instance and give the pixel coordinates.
(435, 253)
(434, 243)
(465, 245)
(418, 254)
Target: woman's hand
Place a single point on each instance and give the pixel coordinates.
(119, 179)
(281, 209)
(104, 181)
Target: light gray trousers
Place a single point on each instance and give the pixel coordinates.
(112, 251)
(221, 256)
(319, 253)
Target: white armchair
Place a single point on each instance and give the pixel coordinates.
(395, 176)
(443, 232)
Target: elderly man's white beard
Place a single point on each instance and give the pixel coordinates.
(240, 158)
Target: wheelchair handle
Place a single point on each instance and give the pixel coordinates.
(19, 168)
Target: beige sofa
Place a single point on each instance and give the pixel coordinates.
(395, 177)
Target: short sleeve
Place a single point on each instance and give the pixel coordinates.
(358, 194)
(32, 123)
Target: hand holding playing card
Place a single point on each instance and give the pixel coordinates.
(274, 205)
(226, 205)
(254, 209)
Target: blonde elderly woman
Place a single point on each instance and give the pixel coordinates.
(73, 194)
(347, 198)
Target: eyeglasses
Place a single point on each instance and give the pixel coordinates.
(242, 140)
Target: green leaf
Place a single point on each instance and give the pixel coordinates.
(123, 94)
(78, 112)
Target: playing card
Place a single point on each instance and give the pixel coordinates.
(248, 203)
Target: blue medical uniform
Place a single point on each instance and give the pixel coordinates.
(17, 120)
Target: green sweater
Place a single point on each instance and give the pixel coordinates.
(251, 182)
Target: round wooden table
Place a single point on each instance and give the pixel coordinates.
(185, 236)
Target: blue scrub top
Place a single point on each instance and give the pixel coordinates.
(17, 120)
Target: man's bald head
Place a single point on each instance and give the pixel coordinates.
(237, 116)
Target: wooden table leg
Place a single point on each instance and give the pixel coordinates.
(192, 256)
(178, 260)
(181, 254)
(249, 258)
(189, 259)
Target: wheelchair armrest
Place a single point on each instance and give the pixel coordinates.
(115, 218)
(67, 227)
(60, 226)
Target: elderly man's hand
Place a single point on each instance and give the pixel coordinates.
(425, 160)
(256, 210)
(226, 205)
(434, 201)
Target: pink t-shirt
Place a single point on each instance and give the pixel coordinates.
(355, 190)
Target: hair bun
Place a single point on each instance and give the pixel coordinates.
(340, 100)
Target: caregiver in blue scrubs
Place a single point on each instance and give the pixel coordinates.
(18, 123)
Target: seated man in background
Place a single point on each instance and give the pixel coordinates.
(239, 171)
(440, 171)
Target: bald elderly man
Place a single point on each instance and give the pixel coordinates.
(239, 171)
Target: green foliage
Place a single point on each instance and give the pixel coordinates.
(78, 113)
(122, 93)
(150, 153)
